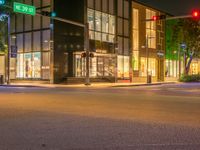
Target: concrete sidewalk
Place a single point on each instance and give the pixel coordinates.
(96, 85)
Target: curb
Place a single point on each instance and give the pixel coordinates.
(147, 84)
(71, 86)
(32, 86)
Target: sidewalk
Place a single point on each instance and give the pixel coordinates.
(95, 85)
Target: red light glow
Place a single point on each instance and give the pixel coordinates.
(155, 18)
(195, 14)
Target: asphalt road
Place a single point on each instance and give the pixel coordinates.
(163, 117)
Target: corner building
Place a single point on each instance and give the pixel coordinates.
(51, 50)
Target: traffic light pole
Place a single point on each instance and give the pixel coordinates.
(87, 48)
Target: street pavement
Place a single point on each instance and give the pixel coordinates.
(158, 117)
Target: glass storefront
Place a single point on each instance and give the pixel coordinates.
(100, 66)
(151, 66)
(123, 66)
(33, 43)
(172, 68)
(29, 65)
(34, 65)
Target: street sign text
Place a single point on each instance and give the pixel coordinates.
(24, 9)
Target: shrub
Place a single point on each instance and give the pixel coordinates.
(190, 78)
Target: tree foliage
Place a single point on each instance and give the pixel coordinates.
(3, 29)
(187, 31)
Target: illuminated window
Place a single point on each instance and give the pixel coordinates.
(135, 57)
(151, 29)
(151, 66)
(97, 21)
(105, 22)
(101, 26)
(123, 66)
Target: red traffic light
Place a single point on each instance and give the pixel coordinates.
(154, 18)
(160, 17)
(196, 14)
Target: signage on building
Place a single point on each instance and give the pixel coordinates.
(160, 54)
(24, 9)
(13, 51)
(183, 46)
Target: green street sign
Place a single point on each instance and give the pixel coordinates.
(24, 9)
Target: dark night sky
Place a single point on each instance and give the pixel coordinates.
(175, 7)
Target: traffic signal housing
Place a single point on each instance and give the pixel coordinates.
(48, 14)
(91, 55)
(160, 17)
(83, 55)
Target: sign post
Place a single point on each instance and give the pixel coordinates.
(24, 9)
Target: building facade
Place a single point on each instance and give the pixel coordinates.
(148, 44)
(52, 51)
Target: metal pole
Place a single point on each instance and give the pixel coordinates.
(87, 48)
(179, 60)
(8, 57)
(115, 49)
(147, 56)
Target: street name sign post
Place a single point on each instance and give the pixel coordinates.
(24, 9)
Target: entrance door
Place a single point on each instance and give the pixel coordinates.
(100, 66)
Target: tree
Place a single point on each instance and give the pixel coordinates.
(187, 31)
(3, 32)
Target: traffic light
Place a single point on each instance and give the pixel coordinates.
(91, 55)
(49, 14)
(83, 55)
(161, 17)
(196, 14)
(2, 2)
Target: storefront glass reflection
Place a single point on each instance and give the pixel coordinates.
(29, 65)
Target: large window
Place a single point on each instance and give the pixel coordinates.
(151, 66)
(101, 25)
(171, 68)
(29, 65)
(135, 39)
(151, 29)
(123, 66)
(100, 66)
